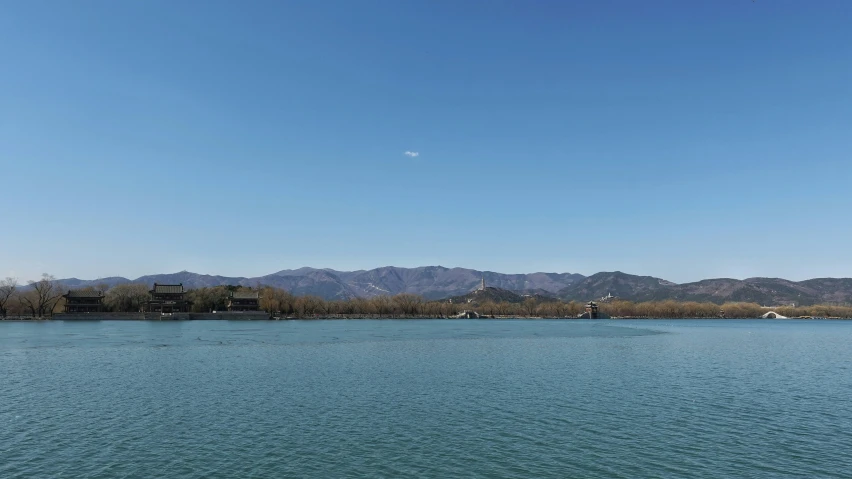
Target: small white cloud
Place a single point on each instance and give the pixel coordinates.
(412, 154)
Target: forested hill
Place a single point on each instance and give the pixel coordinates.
(767, 291)
(437, 282)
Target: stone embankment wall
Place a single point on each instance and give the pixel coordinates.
(243, 315)
(232, 315)
(99, 316)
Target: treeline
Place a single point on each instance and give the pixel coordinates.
(39, 300)
(44, 297)
(689, 309)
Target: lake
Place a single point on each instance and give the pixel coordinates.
(426, 398)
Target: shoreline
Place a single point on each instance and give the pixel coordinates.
(343, 317)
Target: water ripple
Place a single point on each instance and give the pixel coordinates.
(425, 399)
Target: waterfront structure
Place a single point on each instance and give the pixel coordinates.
(168, 298)
(592, 309)
(84, 301)
(591, 312)
(244, 301)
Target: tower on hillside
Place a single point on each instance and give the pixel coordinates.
(482, 286)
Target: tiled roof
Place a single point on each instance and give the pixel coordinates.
(83, 293)
(168, 288)
(245, 295)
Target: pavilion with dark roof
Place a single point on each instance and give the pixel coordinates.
(244, 301)
(84, 301)
(168, 298)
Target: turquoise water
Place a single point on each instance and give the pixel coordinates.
(463, 398)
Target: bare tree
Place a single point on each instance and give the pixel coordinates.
(504, 308)
(530, 305)
(380, 305)
(449, 309)
(206, 300)
(306, 306)
(46, 293)
(432, 309)
(7, 290)
(408, 304)
(488, 307)
(127, 298)
(546, 310)
(27, 301)
(276, 301)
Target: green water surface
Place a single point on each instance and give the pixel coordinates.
(426, 398)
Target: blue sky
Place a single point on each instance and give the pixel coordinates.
(680, 139)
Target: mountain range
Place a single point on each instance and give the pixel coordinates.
(438, 282)
(431, 282)
(766, 291)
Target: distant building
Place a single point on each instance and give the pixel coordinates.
(168, 298)
(84, 301)
(591, 312)
(481, 286)
(244, 301)
(592, 309)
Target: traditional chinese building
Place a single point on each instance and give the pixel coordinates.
(592, 309)
(591, 312)
(244, 301)
(168, 298)
(84, 301)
